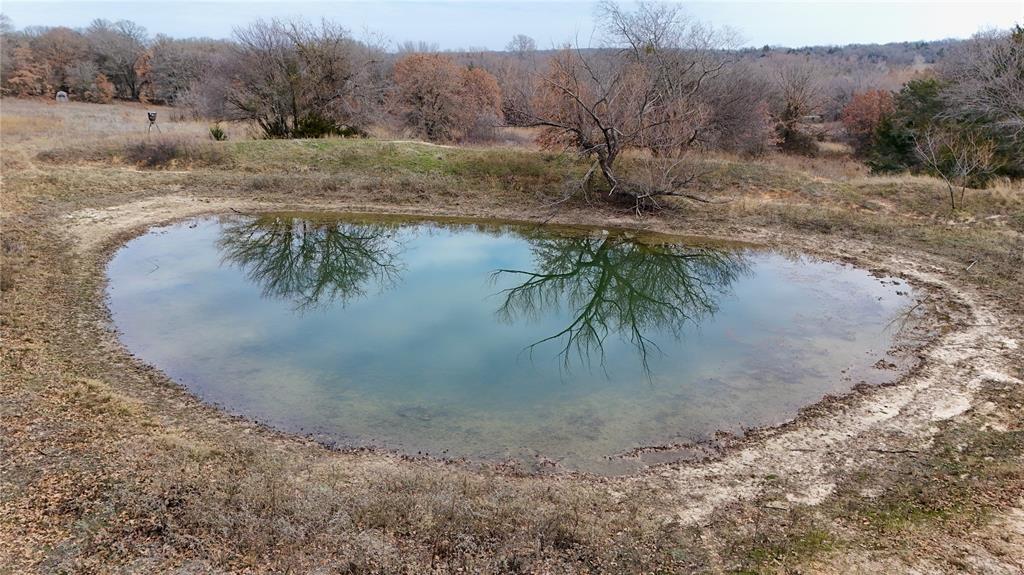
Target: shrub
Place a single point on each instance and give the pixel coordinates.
(892, 147)
(443, 101)
(218, 133)
(793, 139)
(102, 90)
(168, 152)
(862, 116)
(316, 126)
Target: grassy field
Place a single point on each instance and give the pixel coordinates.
(106, 466)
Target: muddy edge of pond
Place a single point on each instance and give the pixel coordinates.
(101, 232)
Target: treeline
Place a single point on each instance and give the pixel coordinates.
(653, 80)
(104, 61)
(962, 121)
(292, 79)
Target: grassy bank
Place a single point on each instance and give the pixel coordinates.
(108, 466)
(907, 210)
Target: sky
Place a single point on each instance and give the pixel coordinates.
(454, 24)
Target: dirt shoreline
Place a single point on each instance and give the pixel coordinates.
(802, 469)
(798, 448)
(108, 466)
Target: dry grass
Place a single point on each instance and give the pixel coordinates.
(104, 467)
(835, 149)
(15, 128)
(76, 122)
(152, 152)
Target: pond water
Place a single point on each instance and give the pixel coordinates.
(497, 342)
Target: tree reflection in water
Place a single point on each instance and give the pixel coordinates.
(611, 284)
(312, 262)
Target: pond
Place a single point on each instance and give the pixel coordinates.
(580, 348)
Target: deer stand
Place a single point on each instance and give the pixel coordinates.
(152, 123)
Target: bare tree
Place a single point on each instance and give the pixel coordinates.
(120, 51)
(639, 91)
(956, 157)
(177, 65)
(337, 68)
(986, 80)
(521, 45)
(515, 73)
(740, 103)
(298, 80)
(800, 94)
(207, 97)
(87, 83)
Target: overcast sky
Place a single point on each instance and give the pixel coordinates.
(455, 24)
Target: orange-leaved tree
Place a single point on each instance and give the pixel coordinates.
(864, 113)
(442, 101)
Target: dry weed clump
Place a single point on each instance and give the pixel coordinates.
(156, 152)
(263, 510)
(173, 152)
(75, 155)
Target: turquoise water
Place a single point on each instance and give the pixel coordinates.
(495, 342)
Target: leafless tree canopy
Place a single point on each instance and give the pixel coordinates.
(956, 157)
(120, 54)
(638, 90)
(800, 95)
(521, 45)
(986, 77)
(634, 98)
(741, 117)
(295, 79)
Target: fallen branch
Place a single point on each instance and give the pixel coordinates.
(894, 451)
